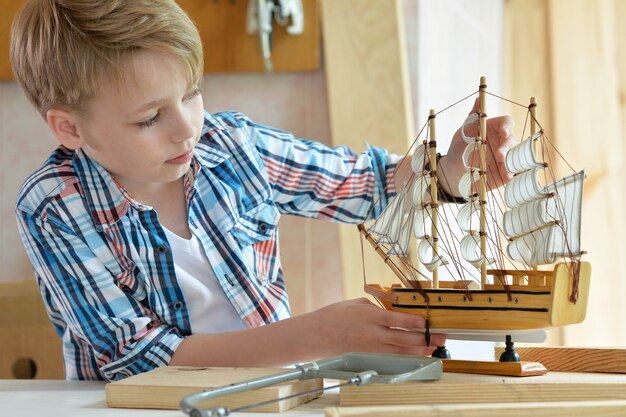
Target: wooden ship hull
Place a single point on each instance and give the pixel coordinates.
(534, 300)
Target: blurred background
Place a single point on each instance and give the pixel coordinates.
(411, 56)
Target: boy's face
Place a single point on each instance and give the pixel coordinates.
(143, 131)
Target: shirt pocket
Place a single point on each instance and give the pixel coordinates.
(131, 281)
(256, 231)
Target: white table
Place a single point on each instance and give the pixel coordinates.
(36, 398)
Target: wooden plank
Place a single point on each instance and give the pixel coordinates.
(549, 409)
(526, 31)
(583, 60)
(9, 8)
(455, 388)
(30, 352)
(227, 45)
(163, 388)
(30, 347)
(522, 368)
(569, 359)
(369, 101)
(21, 304)
(526, 26)
(229, 48)
(620, 39)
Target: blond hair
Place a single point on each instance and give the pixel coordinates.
(62, 49)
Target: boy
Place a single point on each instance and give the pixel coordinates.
(152, 228)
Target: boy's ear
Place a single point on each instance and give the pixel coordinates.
(63, 125)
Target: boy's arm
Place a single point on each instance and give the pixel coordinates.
(83, 298)
(311, 179)
(348, 326)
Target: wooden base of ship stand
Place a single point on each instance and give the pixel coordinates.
(575, 359)
(534, 300)
(509, 364)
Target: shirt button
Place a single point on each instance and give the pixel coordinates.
(263, 227)
(178, 305)
(126, 289)
(162, 249)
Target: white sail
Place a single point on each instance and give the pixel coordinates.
(523, 157)
(419, 159)
(468, 217)
(472, 143)
(470, 250)
(527, 217)
(568, 210)
(389, 223)
(421, 228)
(425, 255)
(468, 154)
(420, 189)
(421, 222)
(466, 182)
(465, 214)
(401, 247)
(562, 209)
(533, 248)
(471, 119)
(523, 188)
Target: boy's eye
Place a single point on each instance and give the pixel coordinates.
(194, 93)
(150, 121)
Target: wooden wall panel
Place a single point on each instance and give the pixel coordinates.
(570, 55)
(528, 72)
(369, 102)
(229, 48)
(227, 45)
(587, 127)
(29, 347)
(8, 8)
(527, 60)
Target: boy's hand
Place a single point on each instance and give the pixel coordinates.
(500, 139)
(347, 326)
(360, 326)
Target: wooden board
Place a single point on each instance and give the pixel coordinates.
(30, 348)
(455, 388)
(229, 48)
(21, 304)
(568, 359)
(494, 368)
(163, 388)
(550, 409)
(227, 45)
(369, 102)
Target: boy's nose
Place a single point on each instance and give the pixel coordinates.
(184, 129)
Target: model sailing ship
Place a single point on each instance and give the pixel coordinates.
(514, 262)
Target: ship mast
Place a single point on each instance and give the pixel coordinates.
(533, 129)
(482, 139)
(432, 157)
(533, 115)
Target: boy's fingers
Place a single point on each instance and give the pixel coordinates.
(400, 337)
(437, 340)
(403, 320)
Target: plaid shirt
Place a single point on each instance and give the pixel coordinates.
(104, 265)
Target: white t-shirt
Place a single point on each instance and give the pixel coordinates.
(210, 311)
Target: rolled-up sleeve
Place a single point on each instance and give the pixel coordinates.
(89, 309)
(313, 180)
